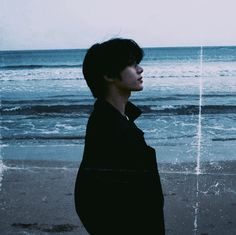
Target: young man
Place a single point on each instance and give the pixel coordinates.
(118, 189)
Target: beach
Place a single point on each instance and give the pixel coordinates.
(45, 106)
(37, 198)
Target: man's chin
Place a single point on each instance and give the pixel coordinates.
(138, 89)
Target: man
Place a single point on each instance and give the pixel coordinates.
(118, 188)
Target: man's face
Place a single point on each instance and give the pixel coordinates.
(130, 78)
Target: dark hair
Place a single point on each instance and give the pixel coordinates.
(109, 59)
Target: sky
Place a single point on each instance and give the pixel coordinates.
(72, 24)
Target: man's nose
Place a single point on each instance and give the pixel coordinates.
(139, 69)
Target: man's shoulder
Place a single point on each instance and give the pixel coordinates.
(106, 122)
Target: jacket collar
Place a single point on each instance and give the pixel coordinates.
(131, 110)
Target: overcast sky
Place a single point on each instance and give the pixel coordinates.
(62, 24)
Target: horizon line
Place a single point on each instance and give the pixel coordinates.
(145, 47)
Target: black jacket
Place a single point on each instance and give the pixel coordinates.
(118, 189)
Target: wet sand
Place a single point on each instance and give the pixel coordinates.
(36, 197)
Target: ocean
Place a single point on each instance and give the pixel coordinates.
(45, 104)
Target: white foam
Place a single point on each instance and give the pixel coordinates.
(2, 168)
(56, 131)
(65, 126)
(163, 107)
(3, 145)
(12, 109)
(42, 74)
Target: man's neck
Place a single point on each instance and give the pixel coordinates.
(118, 101)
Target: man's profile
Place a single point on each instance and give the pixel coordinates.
(118, 188)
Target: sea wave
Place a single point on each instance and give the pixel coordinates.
(73, 71)
(224, 139)
(72, 98)
(43, 137)
(147, 109)
(41, 109)
(189, 109)
(39, 66)
(41, 79)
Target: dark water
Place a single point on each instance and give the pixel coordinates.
(45, 103)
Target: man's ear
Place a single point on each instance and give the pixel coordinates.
(107, 79)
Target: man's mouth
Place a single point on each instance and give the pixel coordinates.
(141, 79)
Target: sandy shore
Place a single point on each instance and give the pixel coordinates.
(36, 197)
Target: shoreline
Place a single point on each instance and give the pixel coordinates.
(206, 167)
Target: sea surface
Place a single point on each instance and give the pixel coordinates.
(45, 104)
